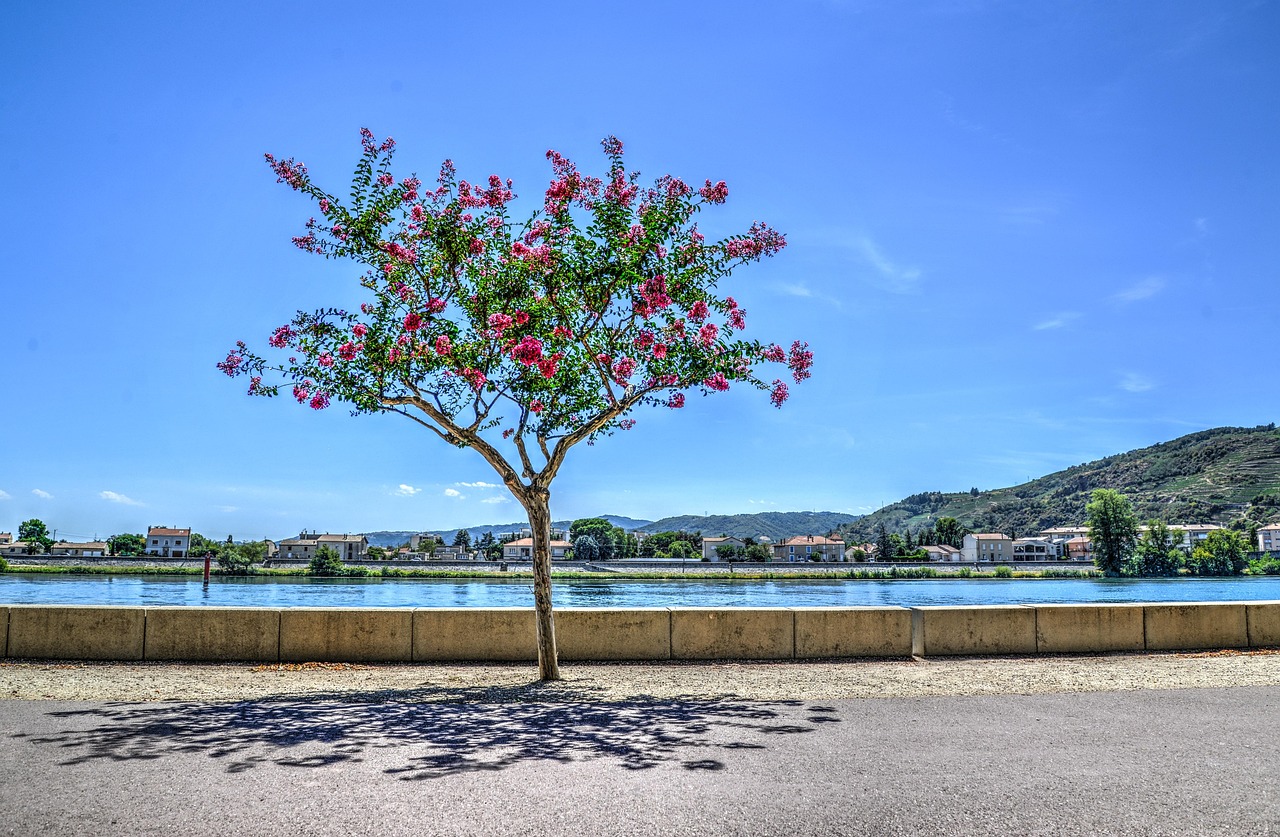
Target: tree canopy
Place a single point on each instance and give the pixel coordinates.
(520, 336)
(1113, 528)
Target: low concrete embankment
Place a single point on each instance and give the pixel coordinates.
(490, 634)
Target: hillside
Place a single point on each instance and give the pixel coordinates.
(1214, 476)
(775, 525)
(387, 539)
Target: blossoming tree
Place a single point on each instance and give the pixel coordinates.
(520, 337)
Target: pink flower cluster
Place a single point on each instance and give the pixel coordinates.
(760, 241)
(366, 140)
(500, 322)
(676, 401)
(707, 334)
(623, 369)
(800, 360)
(412, 321)
(348, 350)
(536, 406)
(320, 400)
(287, 171)
(281, 337)
(569, 185)
(699, 311)
(716, 382)
(779, 394)
(233, 361)
(539, 256)
(653, 296)
(528, 351)
(400, 253)
(714, 194)
(444, 346)
(474, 377)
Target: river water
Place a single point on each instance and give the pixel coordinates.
(700, 592)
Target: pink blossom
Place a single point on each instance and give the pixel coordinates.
(306, 242)
(536, 406)
(412, 321)
(528, 351)
(659, 350)
(623, 369)
(500, 322)
(800, 360)
(716, 382)
(287, 171)
(779, 395)
(443, 345)
(549, 365)
(233, 361)
(521, 317)
(385, 180)
(676, 401)
(643, 340)
(402, 340)
(325, 360)
(394, 355)
(474, 377)
(714, 194)
(324, 205)
(612, 145)
(738, 318)
(281, 337)
(255, 383)
(508, 433)
(302, 391)
(654, 292)
(699, 311)
(435, 305)
(708, 333)
(347, 351)
(760, 241)
(359, 330)
(561, 332)
(366, 308)
(320, 400)
(476, 247)
(417, 213)
(627, 424)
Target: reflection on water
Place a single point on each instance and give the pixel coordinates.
(701, 592)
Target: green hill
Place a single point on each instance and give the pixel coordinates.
(775, 525)
(1224, 475)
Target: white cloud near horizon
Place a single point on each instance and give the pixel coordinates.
(42, 494)
(1133, 382)
(453, 492)
(4, 495)
(114, 497)
(476, 484)
(406, 490)
(1057, 322)
(227, 509)
(495, 500)
(1145, 289)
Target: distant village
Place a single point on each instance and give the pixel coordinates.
(1060, 543)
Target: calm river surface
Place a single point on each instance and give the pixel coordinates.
(701, 592)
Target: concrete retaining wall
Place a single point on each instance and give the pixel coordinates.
(508, 634)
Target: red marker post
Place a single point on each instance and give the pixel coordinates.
(207, 556)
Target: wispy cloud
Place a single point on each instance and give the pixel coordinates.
(4, 495)
(889, 274)
(114, 497)
(227, 509)
(1057, 321)
(406, 490)
(805, 292)
(1133, 382)
(495, 500)
(42, 494)
(453, 492)
(476, 484)
(761, 502)
(1145, 289)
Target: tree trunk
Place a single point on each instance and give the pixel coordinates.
(538, 507)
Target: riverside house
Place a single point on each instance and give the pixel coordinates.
(521, 549)
(709, 546)
(92, 549)
(807, 548)
(987, 546)
(168, 543)
(1269, 538)
(348, 547)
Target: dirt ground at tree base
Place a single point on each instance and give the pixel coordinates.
(490, 683)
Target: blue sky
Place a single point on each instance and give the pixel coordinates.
(1022, 236)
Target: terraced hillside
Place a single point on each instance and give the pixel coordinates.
(1215, 476)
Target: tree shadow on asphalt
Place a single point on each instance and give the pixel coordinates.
(443, 731)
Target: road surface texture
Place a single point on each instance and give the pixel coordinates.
(452, 755)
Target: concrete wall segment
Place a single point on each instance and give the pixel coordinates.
(346, 634)
(747, 633)
(1189, 626)
(975, 629)
(614, 634)
(76, 632)
(1088, 629)
(852, 632)
(1264, 624)
(212, 633)
(475, 634)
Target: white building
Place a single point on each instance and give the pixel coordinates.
(987, 547)
(168, 543)
(1269, 538)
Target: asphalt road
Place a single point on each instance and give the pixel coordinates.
(1182, 762)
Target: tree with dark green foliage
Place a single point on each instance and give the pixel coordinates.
(1158, 552)
(376, 553)
(884, 545)
(463, 539)
(239, 558)
(127, 545)
(199, 545)
(758, 552)
(908, 544)
(1113, 528)
(585, 548)
(949, 532)
(1223, 552)
(35, 535)
(326, 562)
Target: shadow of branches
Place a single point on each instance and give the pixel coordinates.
(441, 730)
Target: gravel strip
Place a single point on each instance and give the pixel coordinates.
(461, 683)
